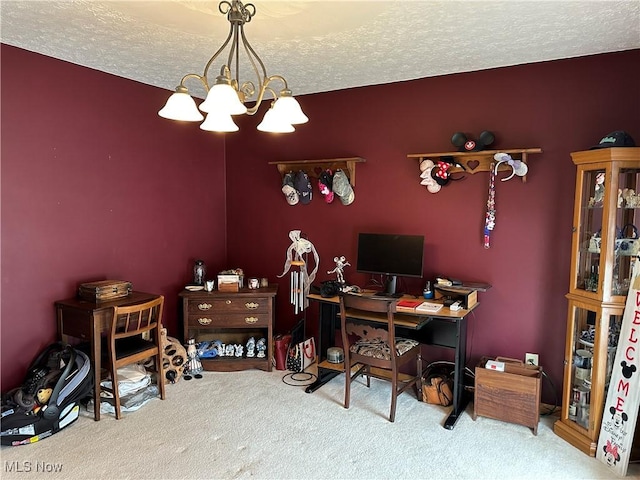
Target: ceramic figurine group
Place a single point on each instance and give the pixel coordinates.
(628, 198)
(219, 349)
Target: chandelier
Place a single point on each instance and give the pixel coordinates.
(228, 95)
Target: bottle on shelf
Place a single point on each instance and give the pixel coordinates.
(428, 291)
(199, 272)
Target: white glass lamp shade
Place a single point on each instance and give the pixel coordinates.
(223, 97)
(218, 121)
(273, 123)
(180, 106)
(289, 108)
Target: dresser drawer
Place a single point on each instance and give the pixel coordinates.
(215, 320)
(229, 306)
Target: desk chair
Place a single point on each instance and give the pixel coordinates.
(377, 347)
(135, 335)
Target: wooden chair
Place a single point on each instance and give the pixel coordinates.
(377, 351)
(135, 335)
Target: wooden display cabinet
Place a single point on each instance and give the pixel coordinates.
(232, 318)
(606, 210)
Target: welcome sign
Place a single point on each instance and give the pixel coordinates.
(623, 397)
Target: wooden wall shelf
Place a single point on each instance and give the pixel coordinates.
(313, 168)
(478, 161)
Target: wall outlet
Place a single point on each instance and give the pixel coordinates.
(531, 358)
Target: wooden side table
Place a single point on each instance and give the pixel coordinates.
(88, 321)
(232, 318)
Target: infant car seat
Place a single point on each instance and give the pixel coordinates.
(49, 399)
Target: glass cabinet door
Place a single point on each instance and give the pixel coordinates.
(594, 342)
(607, 246)
(590, 234)
(627, 244)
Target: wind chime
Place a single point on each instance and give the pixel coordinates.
(301, 280)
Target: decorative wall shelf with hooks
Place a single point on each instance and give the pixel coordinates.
(478, 161)
(313, 168)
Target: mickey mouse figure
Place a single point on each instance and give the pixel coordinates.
(466, 144)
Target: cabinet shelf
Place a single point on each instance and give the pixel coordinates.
(313, 168)
(598, 289)
(478, 161)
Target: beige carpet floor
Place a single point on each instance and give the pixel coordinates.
(252, 425)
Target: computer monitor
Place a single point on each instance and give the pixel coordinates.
(390, 255)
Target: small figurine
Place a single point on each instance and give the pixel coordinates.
(239, 349)
(199, 272)
(341, 262)
(630, 198)
(207, 350)
(251, 348)
(193, 365)
(599, 189)
(230, 350)
(261, 346)
(221, 347)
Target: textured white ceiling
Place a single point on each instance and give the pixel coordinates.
(320, 46)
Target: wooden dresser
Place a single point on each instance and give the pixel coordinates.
(232, 318)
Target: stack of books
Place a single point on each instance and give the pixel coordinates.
(407, 305)
(417, 306)
(428, 307)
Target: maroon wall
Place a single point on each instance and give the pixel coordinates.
(559, 106)
(95, 185)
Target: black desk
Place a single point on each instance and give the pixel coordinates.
(444, 329)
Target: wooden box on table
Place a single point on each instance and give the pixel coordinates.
(104, 290)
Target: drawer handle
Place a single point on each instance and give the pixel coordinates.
(204, 321)
(228, 302)
(251, 320)
(251, 305)
(205, 306)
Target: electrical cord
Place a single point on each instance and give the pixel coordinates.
(553, 387)
(555, 394)
(289, 378)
